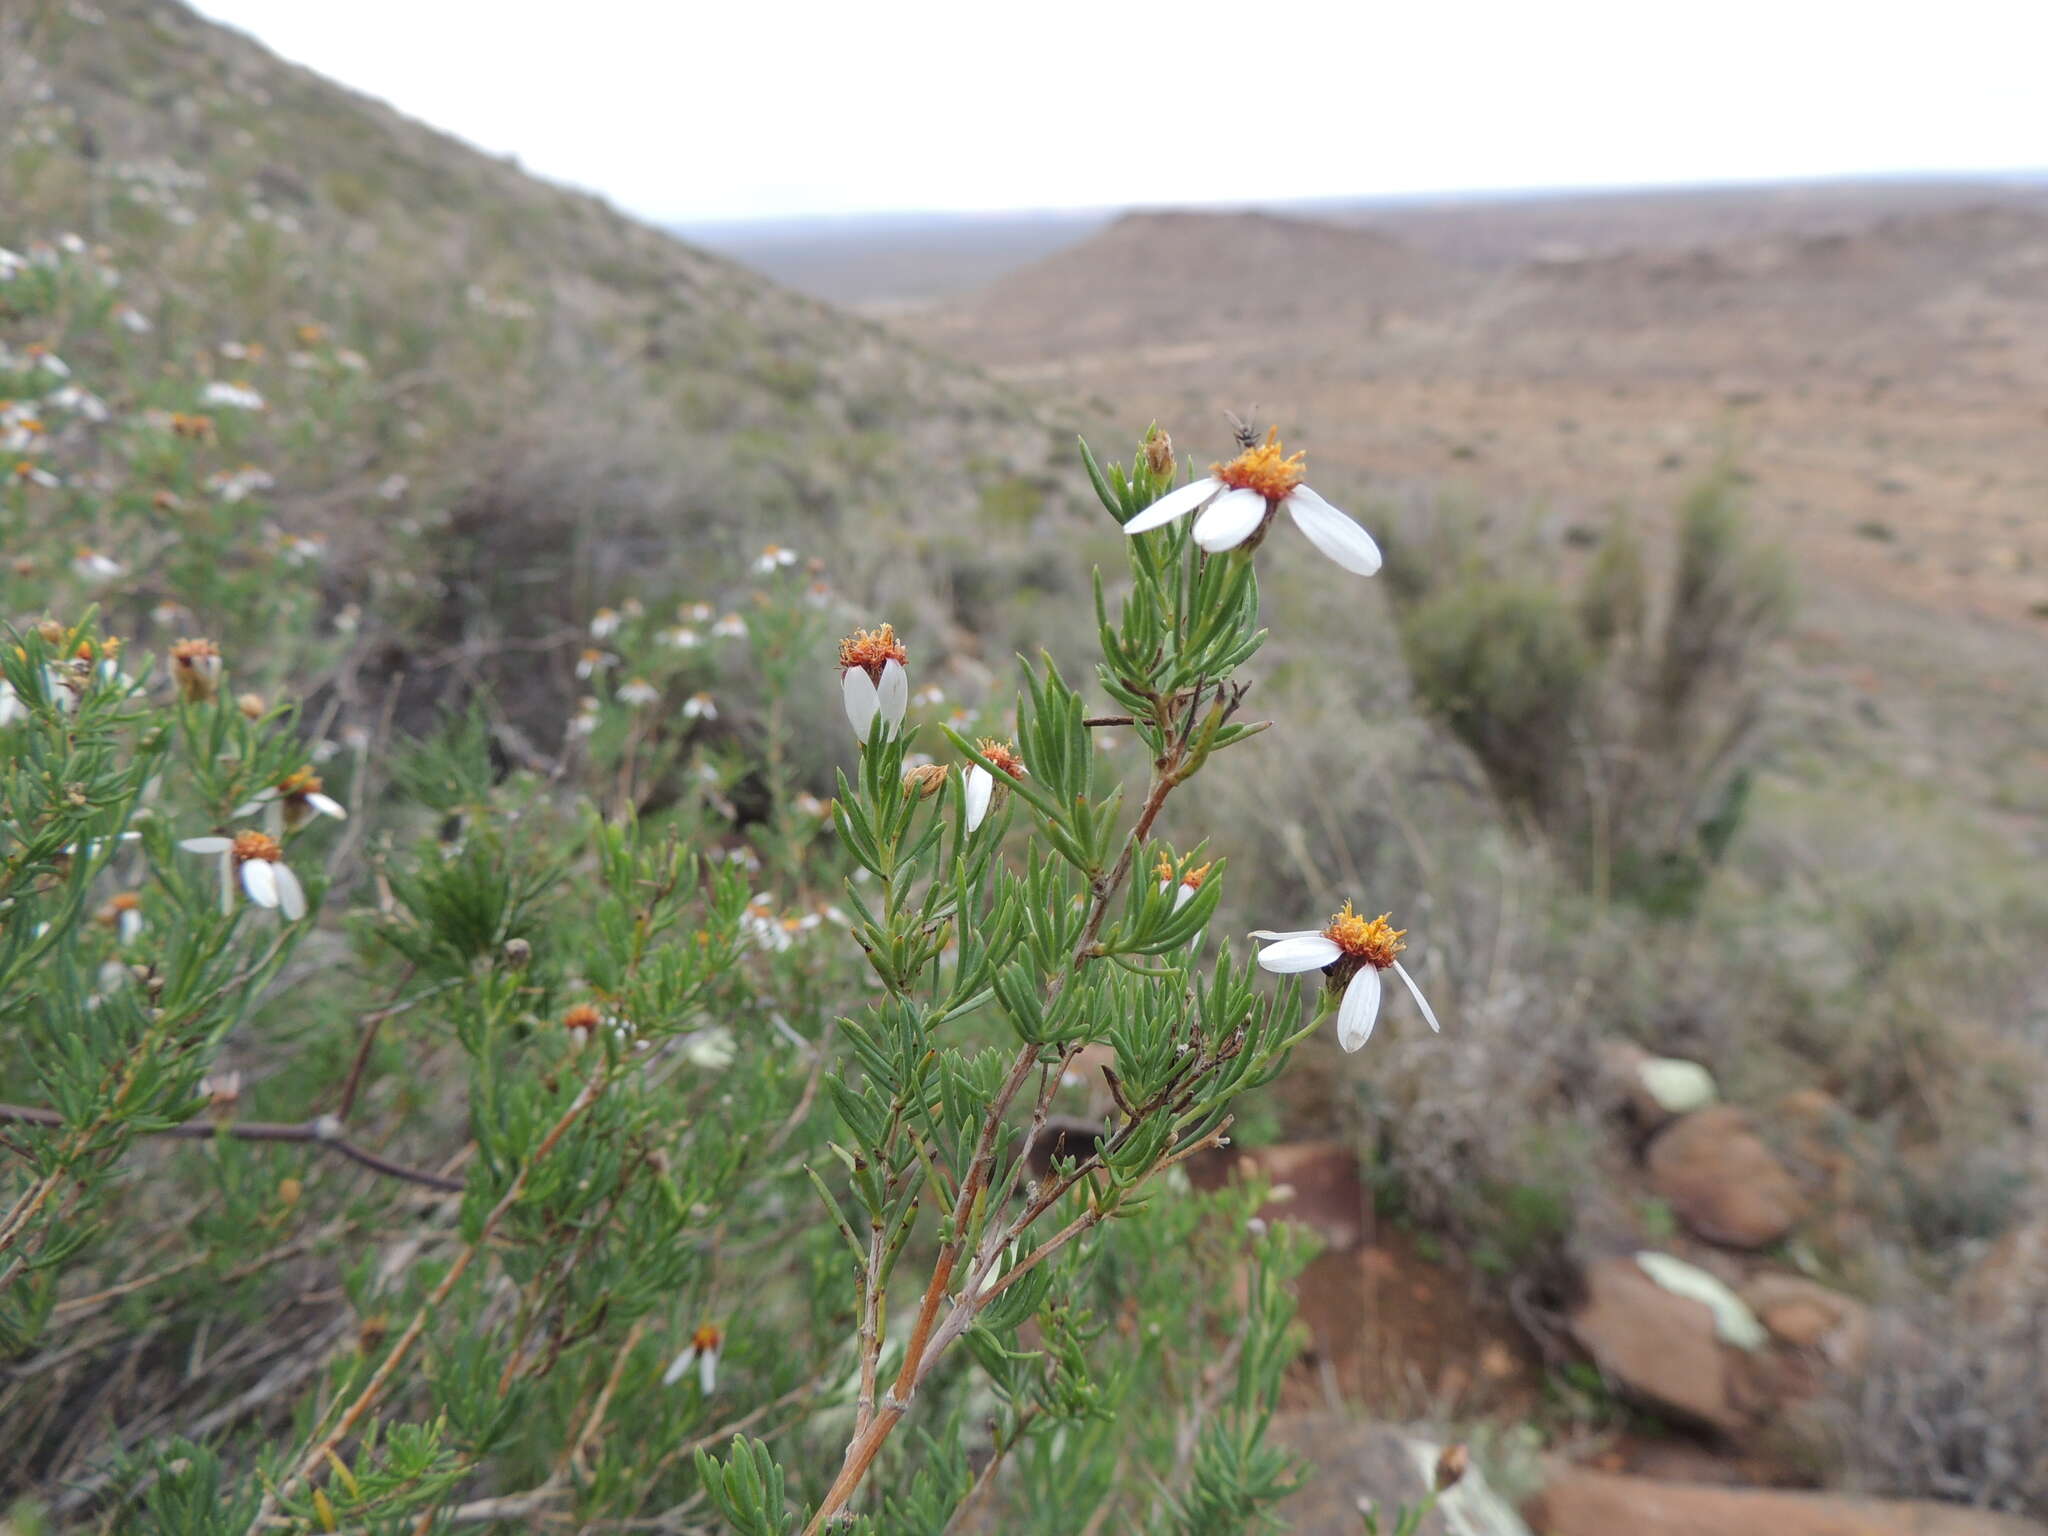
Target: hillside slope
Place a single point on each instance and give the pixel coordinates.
(577, 406)
(1881, 383)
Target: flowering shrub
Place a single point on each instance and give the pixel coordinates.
(653, 1133)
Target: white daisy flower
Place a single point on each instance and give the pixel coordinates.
(592, 662)
(639, 692)
(703, 1354)
(682, 637)
(604, 624)
(872, 677)
(123, 914)
(265, 877)
(700, 706)
(1239, 499)
(295, 800)
(1188, 883)
(91, 565)
(1351, 951)
(710, 1049)
(11, 262)
(42, 357)
(584, 721)
(133, 320)
(731, 627)
(31, 473)
(981, 785)
(695, 613)
(196, 669)
(773, 558)
(236, 395)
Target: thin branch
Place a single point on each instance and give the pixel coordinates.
(322, 1131)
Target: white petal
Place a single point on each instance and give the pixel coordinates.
(1360, 1009)
(1183, 896)
(979, 787)
(250, 807)
(861, 701)
(131, 925)
(1272, 937)
(259, 879)
(1229, 520)
(1415, 992)
(1309, 953)
(894, 693)
(1334, 533)
(678, 1366)
(1173, 504)
(707, 1371)
(291, 896)
(326, 805)
(207, 844)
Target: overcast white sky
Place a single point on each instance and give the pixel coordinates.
(691, 112)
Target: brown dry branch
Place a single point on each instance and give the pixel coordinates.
(929, 1339)
(322, 1131)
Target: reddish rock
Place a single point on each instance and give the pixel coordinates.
(1578, 1502)
(1662, 1348)
(1722, 1181)
(1804, 1315)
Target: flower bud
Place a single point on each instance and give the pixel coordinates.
(51, 631)
(1159, 451)
(195, 668)
(925, 779)
(517, 952)
(251, 705)
(1451, 1466)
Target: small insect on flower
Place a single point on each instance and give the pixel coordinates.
(1239, 499)
(773, 557)
(700, 706)
(980, 783)
(195, 668)
(1351, 951)
(298, 797)
(259, 859)
(871, 674)
(639, 692)
(703, 1350)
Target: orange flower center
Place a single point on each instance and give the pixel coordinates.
(1002, 755)
(256, 845)
(296, 786)
(194, 653)
(707, 1338)
(1265, 469)
(871, 650)
(582, 1016)
(1373, 940)
(124, 901)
